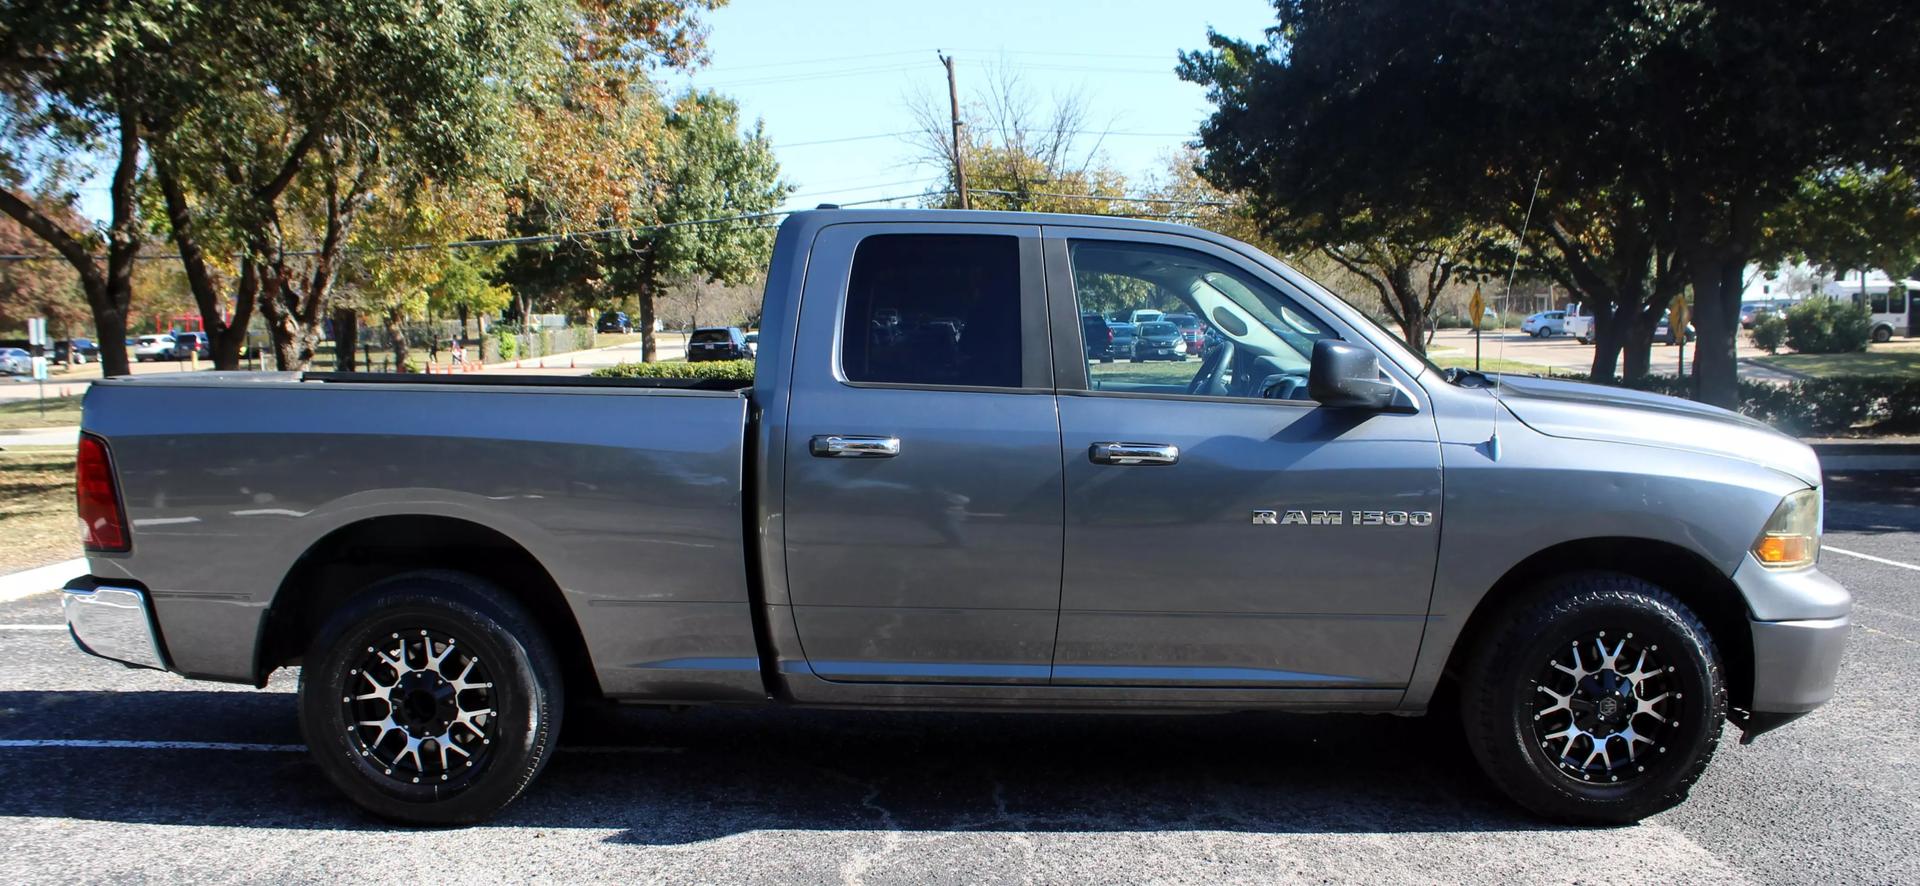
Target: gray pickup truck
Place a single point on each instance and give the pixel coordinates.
(929, 496)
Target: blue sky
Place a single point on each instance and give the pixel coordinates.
(836, 72)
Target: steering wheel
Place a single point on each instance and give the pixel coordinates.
(1210, 380)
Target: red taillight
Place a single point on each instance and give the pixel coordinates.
(103, 522)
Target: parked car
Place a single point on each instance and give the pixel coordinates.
(718, 343)
(1143, 315)
(191, 344)
(1663, 335)
(1545, 324)
(1190, 331)
(1122, 345)
(753, 343)
(1097, 337)
(614, 322)
(16, 361)
(76, 351)
(1315, 521)
(152, 347)
(1158, 340)
(1753, 312)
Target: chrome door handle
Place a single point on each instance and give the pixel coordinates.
(853, 446)
(1133, 453)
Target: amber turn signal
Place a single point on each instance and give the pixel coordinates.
(1792, 535)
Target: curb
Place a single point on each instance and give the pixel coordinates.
(28, 582)
(1840, 457)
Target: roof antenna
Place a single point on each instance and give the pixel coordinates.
(1506, 296)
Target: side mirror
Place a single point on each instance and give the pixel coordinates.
(1346, 376)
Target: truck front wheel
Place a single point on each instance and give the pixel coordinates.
(431, 698)
(1598, 699)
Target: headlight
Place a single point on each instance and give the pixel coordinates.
(1792, 535)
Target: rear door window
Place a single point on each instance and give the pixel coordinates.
(934, 309)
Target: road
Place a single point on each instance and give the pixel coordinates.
(773, 795)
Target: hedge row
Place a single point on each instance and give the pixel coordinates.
(1819, 406)
(729, 370)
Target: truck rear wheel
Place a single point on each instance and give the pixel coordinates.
(1598, 700)
(431, 698)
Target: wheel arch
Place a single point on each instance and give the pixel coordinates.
(345, 561)
(1691, 578)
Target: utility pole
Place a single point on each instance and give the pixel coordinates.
(959, 164)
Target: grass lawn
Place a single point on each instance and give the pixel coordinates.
(1157, 373)
(23, 414)
(37, 525)
(1878, 361)
(1494, 364)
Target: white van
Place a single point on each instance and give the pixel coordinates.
(1145, 316)
(1579, 323)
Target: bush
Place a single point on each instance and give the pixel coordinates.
(1819, 406)
(1770, 333)
(1826, 326)
(727, 370)
(506, 345)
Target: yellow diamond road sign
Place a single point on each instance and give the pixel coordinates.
(1477, 308)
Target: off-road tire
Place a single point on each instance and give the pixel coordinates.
(487, 624)
(1500, 696)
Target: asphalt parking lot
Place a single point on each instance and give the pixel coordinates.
(119, 775)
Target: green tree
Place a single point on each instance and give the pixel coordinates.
(1683, 125)
(82, 80)
(320, 108)
(709, 168)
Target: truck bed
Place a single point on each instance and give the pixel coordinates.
(629, 491)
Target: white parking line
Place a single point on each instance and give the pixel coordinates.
(129, 745)
(104, 744)
(1870, 557)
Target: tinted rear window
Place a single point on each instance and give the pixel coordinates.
(711, 336)
(904, 297)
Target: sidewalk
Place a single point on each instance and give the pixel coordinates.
(67, 436)
(26, 583)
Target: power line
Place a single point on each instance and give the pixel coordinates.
(603, 233)
(1115, 199)
(850, 138)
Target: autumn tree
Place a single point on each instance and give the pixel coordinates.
(1020, 155)
(39, 287)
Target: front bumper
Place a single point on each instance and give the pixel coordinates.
(1795, 663)
(114, 623)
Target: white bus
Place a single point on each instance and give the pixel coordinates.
(1892, 303)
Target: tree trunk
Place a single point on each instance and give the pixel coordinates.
(1606, 342)
(346, 339)
(397, 340)
(1636, 347)
(649, 348)
(1413, 330)
(1716, 320)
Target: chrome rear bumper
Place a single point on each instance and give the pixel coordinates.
(113, 623)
